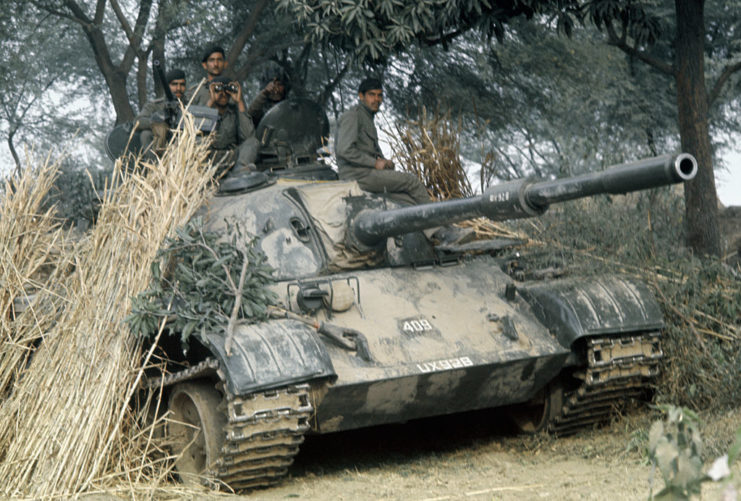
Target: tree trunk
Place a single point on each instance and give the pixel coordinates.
(115, 79)
(120, 97)
(11, 147)
(142, 96)
(701, 200)
(158, 44)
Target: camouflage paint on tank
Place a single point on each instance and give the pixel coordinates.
(441, 339)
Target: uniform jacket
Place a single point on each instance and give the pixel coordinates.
(356, 142)
(233, 128)
(153, 111)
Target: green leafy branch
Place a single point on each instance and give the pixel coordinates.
(209, 280)
(675, 447)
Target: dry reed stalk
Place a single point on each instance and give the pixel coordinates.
(488, 229)
(30, 236)
(67, 418)
(429, 148)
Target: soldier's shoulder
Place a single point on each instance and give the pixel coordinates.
(350, 112)
(155, 102)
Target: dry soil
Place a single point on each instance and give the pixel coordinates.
(476, 456)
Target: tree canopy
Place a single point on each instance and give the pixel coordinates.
(631, 78)
(640, 29)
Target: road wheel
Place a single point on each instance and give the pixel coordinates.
(195, 429)
(537, 414)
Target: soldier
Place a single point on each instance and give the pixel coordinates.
(234, 139)
(214, 62)
(151, 119)
(275, 90)
(359, 156)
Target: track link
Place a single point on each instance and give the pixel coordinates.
(263, 433)
(263, 436)
(619, 369)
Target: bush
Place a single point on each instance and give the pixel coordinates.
(700, 298)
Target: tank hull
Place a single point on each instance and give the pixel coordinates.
(398, 329)
(437, 346)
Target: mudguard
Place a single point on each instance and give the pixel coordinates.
(271, 354)
(574, 308)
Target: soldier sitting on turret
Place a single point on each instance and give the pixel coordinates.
(151, 120)
(359, 156)
(275, 91)
(234, 138)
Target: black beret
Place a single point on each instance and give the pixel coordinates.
(211, 50)
(175, 74)
(369, 84)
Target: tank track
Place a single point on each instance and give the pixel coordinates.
(619, 369)
(263, 436)
(263, 433)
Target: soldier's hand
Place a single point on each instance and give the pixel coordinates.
(212, 94)
(160, 129)
(270, 87)
(380, 163)
(237, 96)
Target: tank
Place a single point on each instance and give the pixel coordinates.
(379, 324)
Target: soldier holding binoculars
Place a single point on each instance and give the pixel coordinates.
(234, 139)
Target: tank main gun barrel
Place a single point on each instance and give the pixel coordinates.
(521, 198)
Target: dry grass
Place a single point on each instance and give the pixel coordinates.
(30, 238)
(700, 298)
(430, 149)
(68, 426)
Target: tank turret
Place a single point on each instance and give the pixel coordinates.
(519, 199)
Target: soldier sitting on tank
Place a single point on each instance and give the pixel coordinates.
(151, 120)
(359, 156)
(234, 142)
(275, 90)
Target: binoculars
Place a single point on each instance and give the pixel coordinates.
(225, 87)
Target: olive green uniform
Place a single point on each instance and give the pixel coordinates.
(199, 97)
(234, 138)
(356, 148)
(151, 122)
(259, 106)
(147, 114)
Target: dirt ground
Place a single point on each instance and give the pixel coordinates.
(476, 456)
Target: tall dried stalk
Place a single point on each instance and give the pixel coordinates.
(429, 147)
(30, 237)
(65, 422)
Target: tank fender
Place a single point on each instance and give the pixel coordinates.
(271, 354)
(572, 308)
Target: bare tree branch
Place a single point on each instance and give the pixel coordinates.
(246, 32)
(622, 44)
(727, 72)
(99, 12)
(332, 85)
(124, 23)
